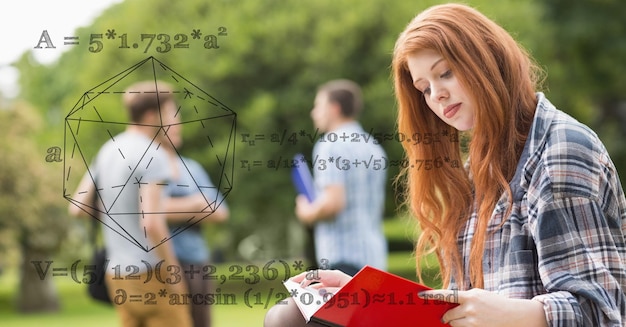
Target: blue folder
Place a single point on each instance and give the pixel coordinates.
(302, 178)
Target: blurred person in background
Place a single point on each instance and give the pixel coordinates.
(347, 212)
(128, 204)
(189, 245)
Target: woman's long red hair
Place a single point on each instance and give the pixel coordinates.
(501, 79)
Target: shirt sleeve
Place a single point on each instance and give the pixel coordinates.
(325, 169)
(204, 181)
(579, 247)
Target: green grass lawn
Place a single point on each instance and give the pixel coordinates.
(251, 298)
(80, 310)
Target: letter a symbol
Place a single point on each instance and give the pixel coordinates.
(45, 38)
(54, 154)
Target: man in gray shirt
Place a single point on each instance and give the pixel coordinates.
(130, 172)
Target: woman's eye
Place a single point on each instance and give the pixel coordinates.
(426, 91)
(446, 74)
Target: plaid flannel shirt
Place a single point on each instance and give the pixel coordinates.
(564, 241)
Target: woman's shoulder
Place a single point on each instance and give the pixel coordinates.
(560, 137)
(569, 155)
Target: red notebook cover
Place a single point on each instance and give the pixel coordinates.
(372, 298)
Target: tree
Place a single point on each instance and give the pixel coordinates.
(264, 60)
(587, 75)
(30, 208)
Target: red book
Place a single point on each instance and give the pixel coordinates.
(371, 298)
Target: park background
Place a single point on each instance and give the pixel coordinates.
(263, 60)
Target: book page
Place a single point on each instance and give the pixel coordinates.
(308, 299)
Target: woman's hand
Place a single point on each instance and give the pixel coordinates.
(478, 307)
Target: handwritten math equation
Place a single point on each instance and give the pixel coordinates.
(344, 163)
(286, 137)
(160, 42)
(171, 274)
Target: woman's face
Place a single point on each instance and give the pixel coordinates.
(444, 95)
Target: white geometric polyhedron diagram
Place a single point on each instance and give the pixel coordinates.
(194, 105)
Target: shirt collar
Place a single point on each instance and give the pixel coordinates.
(545, 114)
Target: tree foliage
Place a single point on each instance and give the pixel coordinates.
(31, 212)
(266, 62)
(587, 56)
(267, 67)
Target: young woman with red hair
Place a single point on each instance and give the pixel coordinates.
(534, 226)
(531, 232)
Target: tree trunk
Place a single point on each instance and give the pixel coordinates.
(36, 290)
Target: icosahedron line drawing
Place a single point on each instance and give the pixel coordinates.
(195, 108)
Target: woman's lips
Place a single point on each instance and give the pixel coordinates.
(451, 110)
